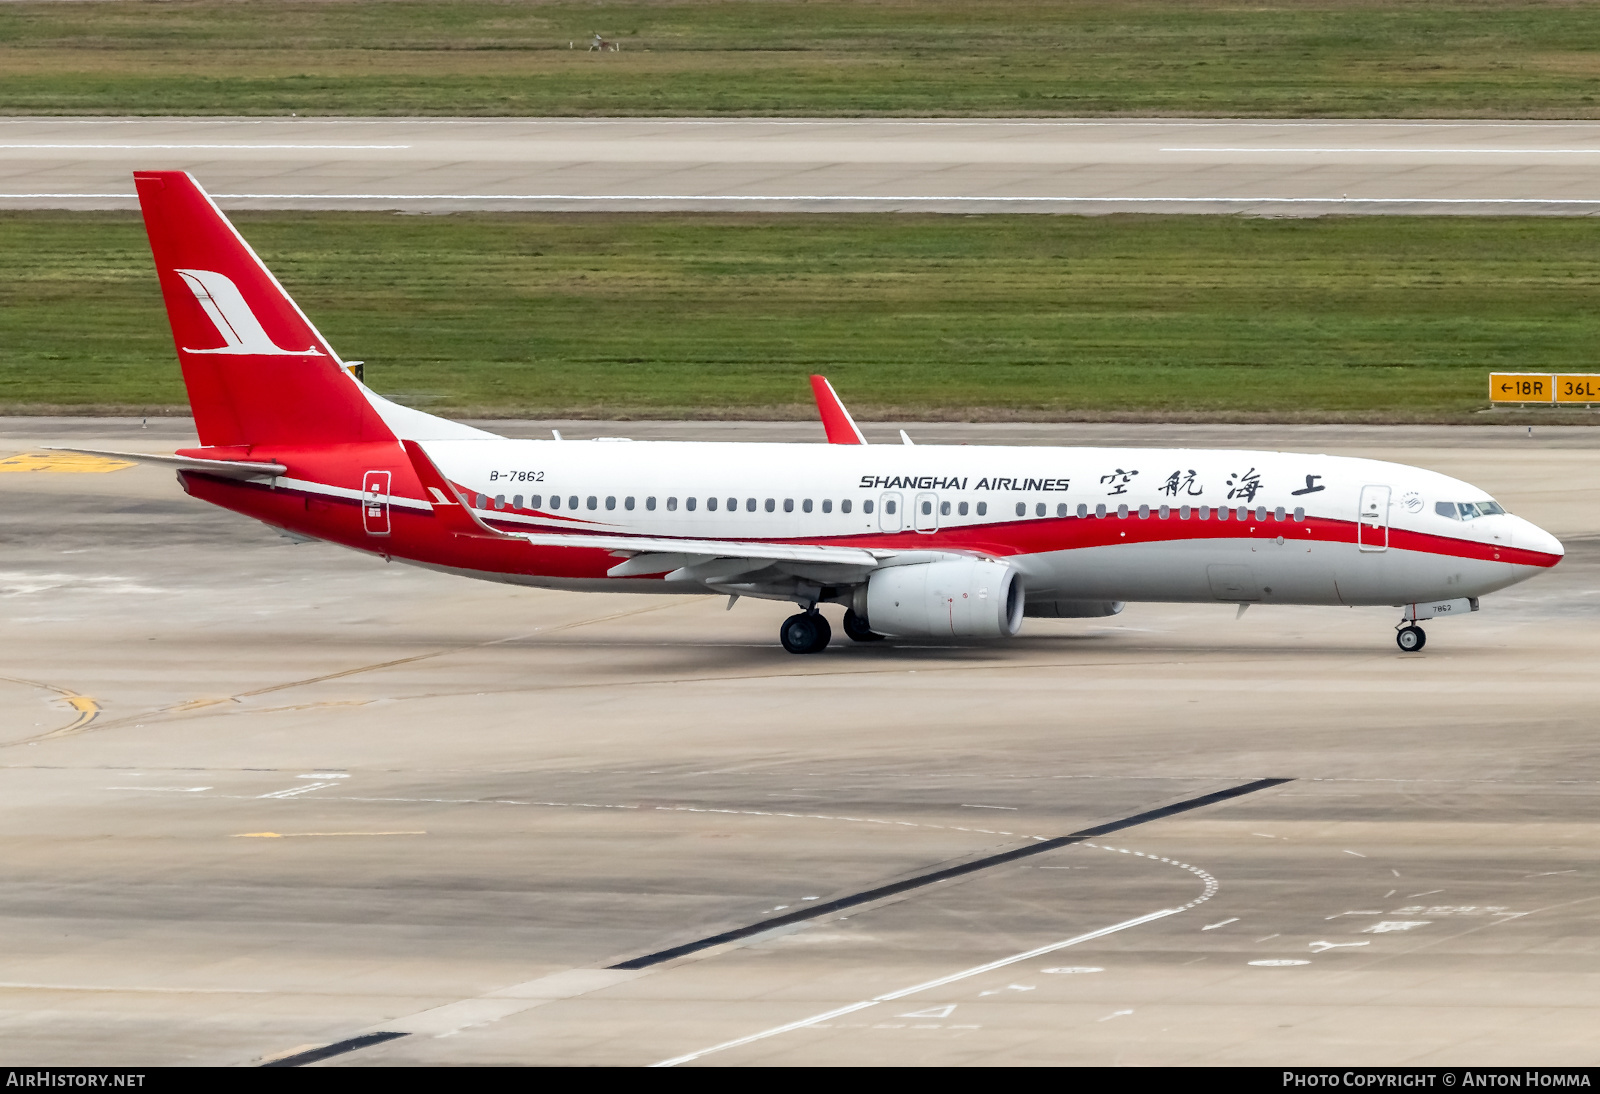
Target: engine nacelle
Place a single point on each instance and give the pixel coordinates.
(965, 598)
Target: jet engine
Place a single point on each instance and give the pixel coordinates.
(964, 598)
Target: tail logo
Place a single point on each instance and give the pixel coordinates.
(238, 326)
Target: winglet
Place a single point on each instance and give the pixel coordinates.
(835, 418)
(449, 507)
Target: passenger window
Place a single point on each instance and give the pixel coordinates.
(1243, 513)
(499, 501)
(536, 502)
(481, 502)
(827, 505)
(1205, 512)
(572, 501)
(750, 505)
(1261, 512)
(788, 505)
(555, 501)
(627, 503)
(888, 506)
(688, 503)
(944, 509)
(711, 505)
(961, 510)
(1122, 512)
(1278, 513)
(805, 506)
(594, 502)
(1222, 514)
(1022, 508)
(1144, 512)
(1061, 510)
(1083, 510)
(650, 504)
(1183, 512)
(771, 505)
(1165, 512)
(611, 503)
(1446, 509)
(983, 508)
(1100, 510)
(866, 506)
(672, 505)
(1299, 513)
(516, 502)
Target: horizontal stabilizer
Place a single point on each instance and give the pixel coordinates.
(227, 469)
(449, 508)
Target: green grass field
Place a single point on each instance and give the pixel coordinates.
(1333, 319)
(1344, 58)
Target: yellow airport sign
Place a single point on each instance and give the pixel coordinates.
(1521, 387)
(1583, 388)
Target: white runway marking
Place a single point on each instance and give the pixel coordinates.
(1325, 946)
(890, 997)
(1027, 955)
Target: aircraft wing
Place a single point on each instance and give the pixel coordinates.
(658, 554)
(228, 469)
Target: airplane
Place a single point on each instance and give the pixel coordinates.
(912, 541)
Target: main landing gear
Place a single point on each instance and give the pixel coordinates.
(807, 632)
(1410, 638)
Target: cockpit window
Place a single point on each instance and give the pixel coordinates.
(1467, 510)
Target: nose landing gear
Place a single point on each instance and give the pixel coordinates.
(1410, 638)
(807, 632)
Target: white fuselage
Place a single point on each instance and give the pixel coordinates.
(1079, 524)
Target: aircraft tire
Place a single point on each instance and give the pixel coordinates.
(807, 632)
(855, 628)
(1410, 639)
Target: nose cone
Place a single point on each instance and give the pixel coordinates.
(1530, 537)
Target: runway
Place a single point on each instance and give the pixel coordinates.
(1266, 168)
(263, 798)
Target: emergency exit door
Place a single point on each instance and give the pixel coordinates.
(925, 513)
(890, 519)
(375, 503)
(1372, 520)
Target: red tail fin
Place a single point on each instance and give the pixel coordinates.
(256, 369)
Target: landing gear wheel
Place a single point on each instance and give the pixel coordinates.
(856, 628)
(807, 632)
(1410, 639)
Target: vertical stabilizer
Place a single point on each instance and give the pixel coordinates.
(256, 369)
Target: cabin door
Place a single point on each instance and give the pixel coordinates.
(1372, 522)
(375, 503)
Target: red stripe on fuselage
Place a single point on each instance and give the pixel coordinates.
(416, 536)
